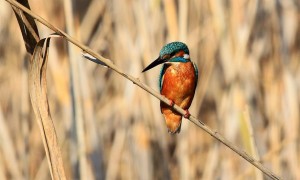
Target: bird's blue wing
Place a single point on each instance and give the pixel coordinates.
(196, 73)
(161, 75)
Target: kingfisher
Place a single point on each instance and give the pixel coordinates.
(177, 81)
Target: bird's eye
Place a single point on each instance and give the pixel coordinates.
(167, 56)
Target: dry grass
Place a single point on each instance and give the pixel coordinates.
(248, 56)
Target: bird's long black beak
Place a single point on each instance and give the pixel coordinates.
(154, 63)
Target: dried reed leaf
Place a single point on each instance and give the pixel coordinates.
(171, 18)
(28, 27)
(7, 147)
(248, 138)
(39, 100)
(93, 59)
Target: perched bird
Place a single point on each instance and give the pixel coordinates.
(177, 82)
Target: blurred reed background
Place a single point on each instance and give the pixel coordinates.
(248, 54)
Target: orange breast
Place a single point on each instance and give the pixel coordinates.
(179, 84)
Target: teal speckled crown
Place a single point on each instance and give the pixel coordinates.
(174, 47)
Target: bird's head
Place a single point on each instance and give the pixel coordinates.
(172, 52)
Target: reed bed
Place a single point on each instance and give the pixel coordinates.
(248, 55)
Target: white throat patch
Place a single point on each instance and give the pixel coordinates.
(186, 56)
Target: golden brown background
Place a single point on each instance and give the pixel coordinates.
(248, 54)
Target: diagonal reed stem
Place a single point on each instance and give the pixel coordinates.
(136, 81)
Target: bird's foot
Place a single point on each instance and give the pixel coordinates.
(187, 114)
(171, 103)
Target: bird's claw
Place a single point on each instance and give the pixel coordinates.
(187, 114)
(171, 103)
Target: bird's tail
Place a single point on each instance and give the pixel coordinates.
(173, 121)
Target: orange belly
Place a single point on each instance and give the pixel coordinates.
(179, 86)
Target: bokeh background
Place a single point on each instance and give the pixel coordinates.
(248, 54)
